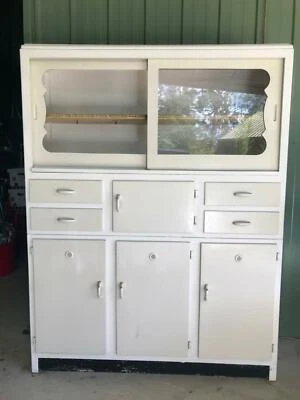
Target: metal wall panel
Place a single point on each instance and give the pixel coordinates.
(290, 300)
(126, 21)
(238, 21)
(191, 21)
(260, 21)
(200, 21)
(163, 21)
(52, 21)
(279, 21)
(29, 24)
(89, 22)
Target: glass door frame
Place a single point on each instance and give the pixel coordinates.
(44, 158)
(268, 160)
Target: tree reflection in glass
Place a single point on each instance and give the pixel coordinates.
(212, 111)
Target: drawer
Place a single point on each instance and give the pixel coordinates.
(62, 219)
(65, 191)
(242, 194)
(258, 223)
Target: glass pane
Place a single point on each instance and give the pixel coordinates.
(95, 111)
(211, 111)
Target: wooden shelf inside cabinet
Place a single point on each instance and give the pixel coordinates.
(116, 119)
(95, 118)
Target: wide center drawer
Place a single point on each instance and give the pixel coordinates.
(257, 223)
(261, 194)
(62, 219)
(65, 191)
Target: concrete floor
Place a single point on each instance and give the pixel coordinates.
(16, 381)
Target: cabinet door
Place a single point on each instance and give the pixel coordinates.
(152, 304)
(69, 286)
(89, 113)
(237, 301)
(214, 114)
(153, 206)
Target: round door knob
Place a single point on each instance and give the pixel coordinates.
(238, 258)
(152, 256)
(69, 254)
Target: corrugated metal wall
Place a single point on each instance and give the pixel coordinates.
(191, 21)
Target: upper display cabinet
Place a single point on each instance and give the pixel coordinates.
(171, 107)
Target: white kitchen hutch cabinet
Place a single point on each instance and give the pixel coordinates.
(155, 187)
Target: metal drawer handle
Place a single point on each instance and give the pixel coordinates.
(65, 191)
(242, 194)
(118, 202)
(65, 219)
(205, 288)
(241, 223)
(121, 289)
(99, 289)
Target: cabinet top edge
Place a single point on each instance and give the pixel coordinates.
(157, 51)
(154, 47)
(51, 51)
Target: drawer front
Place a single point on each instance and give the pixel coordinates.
(62, 219)
(242, 194)
(65, 191)
(263, 223)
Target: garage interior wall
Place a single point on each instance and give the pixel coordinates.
(192, 22)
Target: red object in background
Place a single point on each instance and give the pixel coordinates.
(6, 258)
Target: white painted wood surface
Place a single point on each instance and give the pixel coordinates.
(69, 304)
(65, 191)
(236, 313)
(152, 298)
(66, 219)
(171, 221)
(242, 194)
(239, 223)
(153, 206)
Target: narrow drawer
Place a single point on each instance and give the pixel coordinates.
(62, 219)
(242, 194)
(257, 223)
(65, 191)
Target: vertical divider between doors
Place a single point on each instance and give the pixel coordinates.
(152, 112)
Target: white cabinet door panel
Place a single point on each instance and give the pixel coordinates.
(69, 292)
(237, 301)
(141, 206)
(152, 304)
